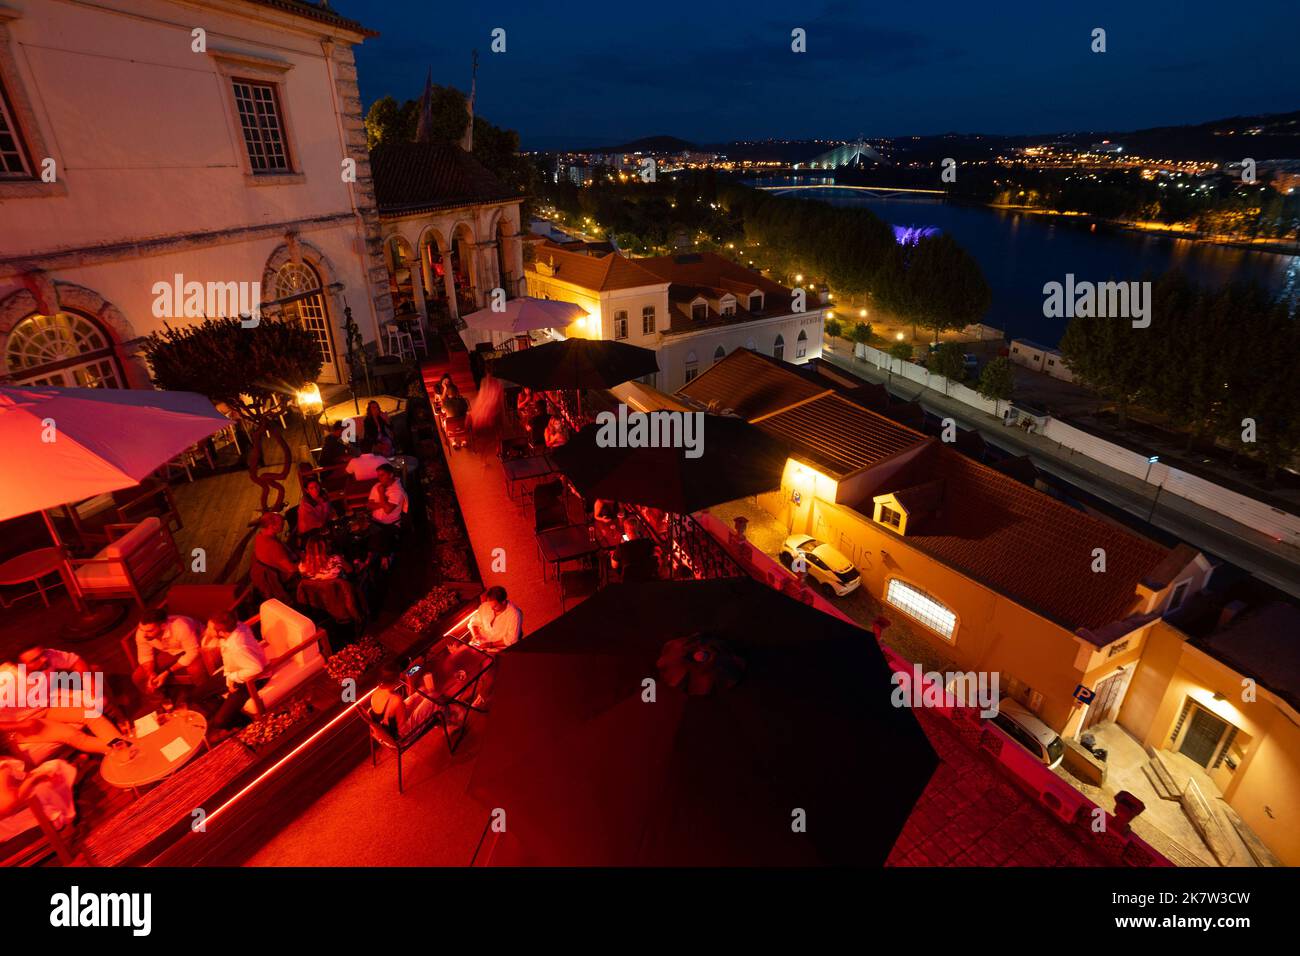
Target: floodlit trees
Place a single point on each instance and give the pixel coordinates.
(254, 372)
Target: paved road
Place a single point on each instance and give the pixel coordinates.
(1213, 533)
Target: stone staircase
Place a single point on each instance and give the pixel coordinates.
(1162, 782)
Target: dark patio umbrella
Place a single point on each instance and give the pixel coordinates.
(736, 460)
(576, 363)
(789, 716)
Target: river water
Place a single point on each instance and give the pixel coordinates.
(1020, 252)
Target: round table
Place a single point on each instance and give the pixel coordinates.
(149, 764)
(31, 567)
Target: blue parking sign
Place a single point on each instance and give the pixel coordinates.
(1084, 695)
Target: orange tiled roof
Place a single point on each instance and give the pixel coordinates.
(1025, 544)
(750, 385)
(712, 276)
(597, 273)
(837, 436)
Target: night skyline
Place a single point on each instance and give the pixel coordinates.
(570, 82)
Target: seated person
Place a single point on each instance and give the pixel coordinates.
(319, 564)
(167, 654)
(334, 450)
(635, 555)
(366, 465)
(609, 529)
(275, 564)
(497, 623)
(377, 430)
(397, 714)
(74, 719)
(536, 425)
(443, 384)
(454, 405)
(242, 660)
(50, 783)
(315, 510)
(524, 404)
(657, 519)
(387, 504)
(557, 432)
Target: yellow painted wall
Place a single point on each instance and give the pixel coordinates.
(993, 633)
(1267, 780)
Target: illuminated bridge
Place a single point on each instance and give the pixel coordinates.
(850, 154)
(882, 191)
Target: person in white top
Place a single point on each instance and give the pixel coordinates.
(366, 467)
(242, 660)
(496, 625)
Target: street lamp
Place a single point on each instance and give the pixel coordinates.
(310, 404)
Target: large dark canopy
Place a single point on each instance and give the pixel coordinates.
(576, 363)
(798, 724)
(736, 460)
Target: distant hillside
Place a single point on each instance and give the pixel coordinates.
(646, 144)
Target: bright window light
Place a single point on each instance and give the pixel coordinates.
(919, 605)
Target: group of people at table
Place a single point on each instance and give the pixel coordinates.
(311, 547)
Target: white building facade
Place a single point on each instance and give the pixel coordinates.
(155, 144)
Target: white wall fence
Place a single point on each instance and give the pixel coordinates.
(1261, 517)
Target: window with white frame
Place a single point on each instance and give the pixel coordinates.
(13, 156)
(620, 324)
(1178, 595)
(890, 517)
(648, 320)
(728, 305)
(801, 345)
(756, 302)
(263, 127)
(921, 607)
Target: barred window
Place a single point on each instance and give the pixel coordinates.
(259, 116)
(916, 604)
(13, 158)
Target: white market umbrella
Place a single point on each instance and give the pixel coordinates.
(67, 444)
(526, 314)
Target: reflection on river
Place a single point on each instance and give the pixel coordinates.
(1020, 252)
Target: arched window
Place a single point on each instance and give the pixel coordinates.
(66, 349)
(719, 354)
(692, 366)
(300, 283)
(801, 345)
(778, 349)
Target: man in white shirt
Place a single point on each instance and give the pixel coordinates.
(167, 650)
(496, 625)
(242, 660)
(387, 503)
(366, 467)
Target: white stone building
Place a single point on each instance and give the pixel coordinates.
(211, 140)
(692, 309)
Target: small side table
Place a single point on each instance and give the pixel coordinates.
(32, 568)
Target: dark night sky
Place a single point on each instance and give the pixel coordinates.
(584, 73)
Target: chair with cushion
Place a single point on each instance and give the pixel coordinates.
(137, 561)
(295, 653)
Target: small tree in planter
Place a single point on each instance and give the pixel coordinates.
(254, 371)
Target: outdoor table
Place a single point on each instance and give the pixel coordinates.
(31, 568)
(525, 469)
(566, 544)
(157, 753)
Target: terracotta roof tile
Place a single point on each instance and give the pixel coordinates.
(1025, 544)
(417, 177)
(599, 273)
(750, 385)
(837, 436)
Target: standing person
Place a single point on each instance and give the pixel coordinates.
(242, 660)
(377, 430)
(167, 654)
(485, 411)
(494, 626)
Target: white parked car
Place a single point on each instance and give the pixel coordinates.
(834, 573)
(1021, 725)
